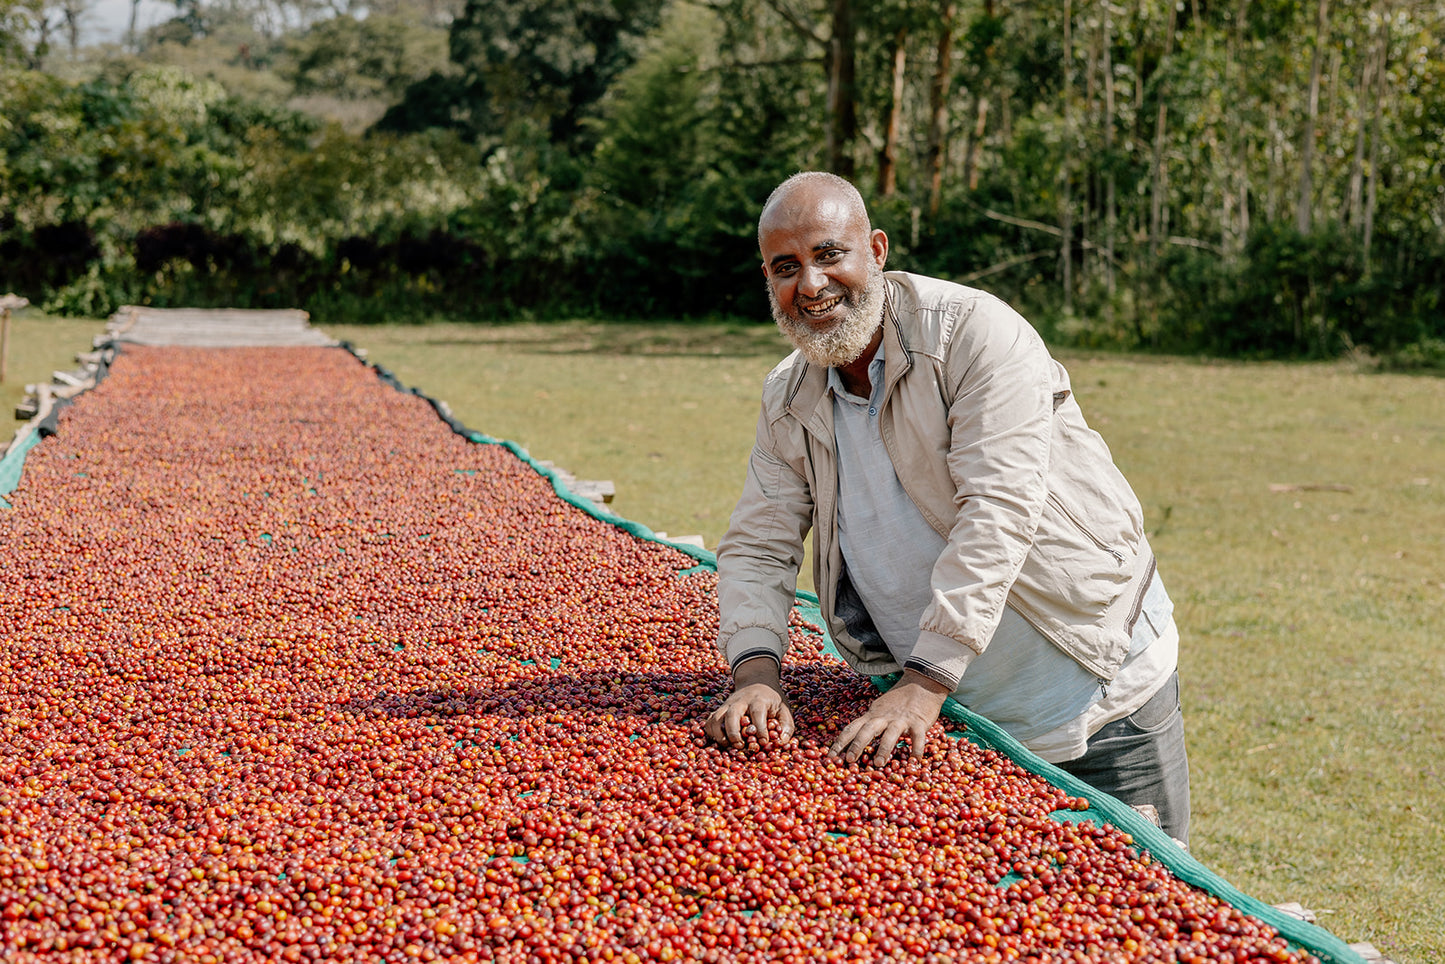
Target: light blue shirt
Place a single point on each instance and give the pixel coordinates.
(1021, 681)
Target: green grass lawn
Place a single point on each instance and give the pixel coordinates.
(39, 345)
(1310, 616)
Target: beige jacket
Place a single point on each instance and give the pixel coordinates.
(988, 441)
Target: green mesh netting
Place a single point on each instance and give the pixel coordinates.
(12, 463)
(39, 427)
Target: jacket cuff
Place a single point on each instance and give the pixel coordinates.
(753, 641)
(942, 659)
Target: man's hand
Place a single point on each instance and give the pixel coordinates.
(757, 696)
(909, 708)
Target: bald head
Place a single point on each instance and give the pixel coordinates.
(808, 193)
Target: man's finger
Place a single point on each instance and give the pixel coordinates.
(765, 711)
(919, 738)
(887, 742)
(867, 733)
(734, 723)
(785, 723)
(844, 737)
(713, 726)
(758, 713)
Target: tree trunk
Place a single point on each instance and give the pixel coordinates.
(1381, 78)
(981, 98)
(938, 92)
(1226, 193)
(1066, 201)
(1111, 213)
(36, 60)
(975, 140)
(71, 16)
(1331, 90)
(1355, 200)
(1142, 18)
(1157, 174)
(1093, 185)
(1241, 168)
(842, 81)
(130, 37)
(1305, 206)
(888, 156)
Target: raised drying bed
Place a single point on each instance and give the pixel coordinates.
(295, 671)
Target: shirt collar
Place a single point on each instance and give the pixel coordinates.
(875, 373)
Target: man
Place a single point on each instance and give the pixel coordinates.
(970, 530)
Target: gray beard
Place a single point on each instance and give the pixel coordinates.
(845, 341)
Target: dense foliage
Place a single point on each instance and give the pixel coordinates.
(1255, 178)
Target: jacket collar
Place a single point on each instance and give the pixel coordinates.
(808, 384)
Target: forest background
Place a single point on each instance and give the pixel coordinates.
(1235, 177)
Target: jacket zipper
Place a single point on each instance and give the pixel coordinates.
(1118, 556)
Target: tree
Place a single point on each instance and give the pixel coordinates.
(355, 59)
(70, 13)
(820, 33)
(26, 28)
(547, 61)
(18, 21)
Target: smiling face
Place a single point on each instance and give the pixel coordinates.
(824, 268)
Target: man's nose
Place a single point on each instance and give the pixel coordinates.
(811, 281)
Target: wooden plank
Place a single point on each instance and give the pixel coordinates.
(682, 540)
(215, 327)
(8, 303)
(1296, 910)
(598, 490)
(1365, 950)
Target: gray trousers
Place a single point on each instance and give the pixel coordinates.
(1141, 759)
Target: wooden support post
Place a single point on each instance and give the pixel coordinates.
(7, 302)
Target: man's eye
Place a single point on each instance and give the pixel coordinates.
(832, 254)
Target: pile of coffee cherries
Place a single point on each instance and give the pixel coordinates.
(291, 672)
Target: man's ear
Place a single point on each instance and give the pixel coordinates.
(878, 243)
